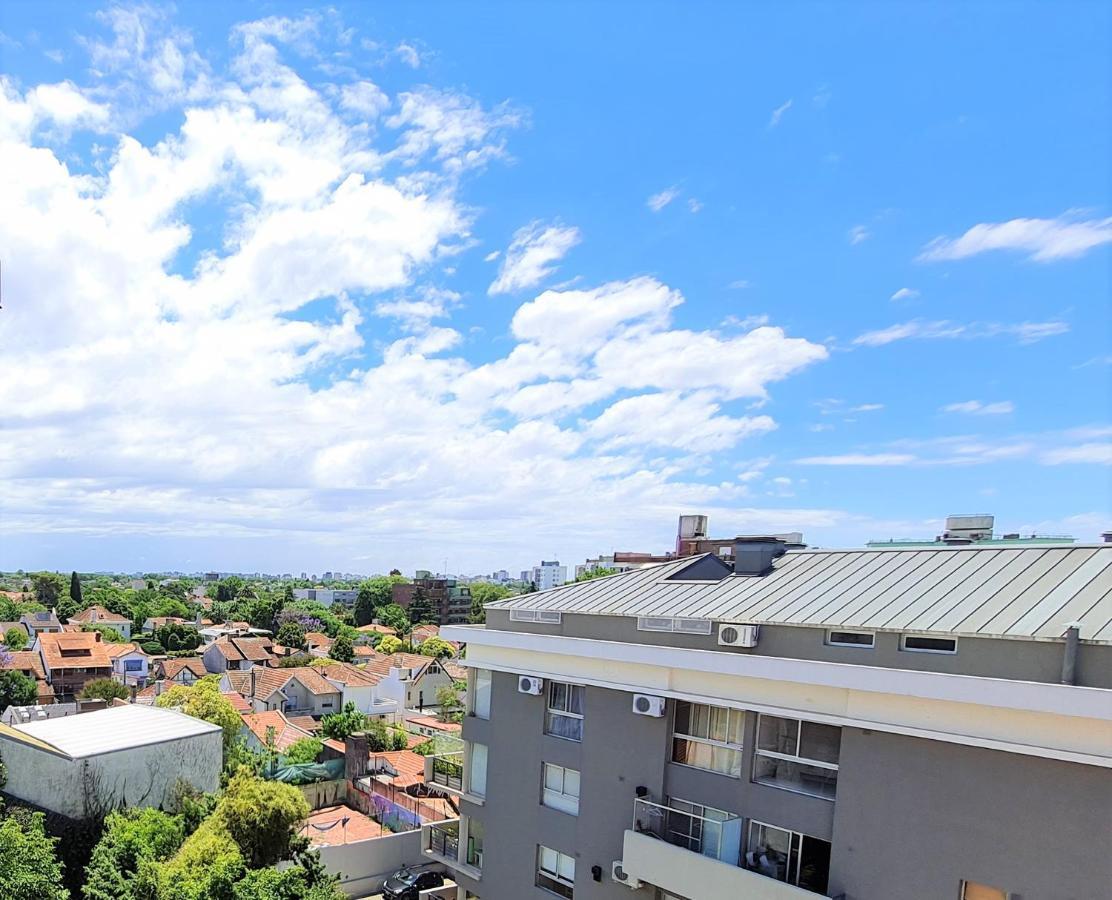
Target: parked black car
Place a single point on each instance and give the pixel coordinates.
(407, 884)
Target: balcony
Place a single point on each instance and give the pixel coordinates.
(694, 856)
(445, 770)
(441, 841)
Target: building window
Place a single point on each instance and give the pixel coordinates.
(565, 711)
(477, 775)
(708, 737)
(918, 643)
(971, 890)
(850, 638)
(482, 694)
(475, 842)
(561, 789)
(680, 626)
(555, 871)
(789, 856)
(797, 756)
(541, 616)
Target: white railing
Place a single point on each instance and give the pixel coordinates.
(718, 838)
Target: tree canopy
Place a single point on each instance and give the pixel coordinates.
(596, 572)
(48, 587)
(436, 646)
(421, 611)
(132, 840)
(203, 700)
(394, 616)
(106, 689)
(483, 592)
(16, 689)
(342, 649)
(29, 869)
(15, 638)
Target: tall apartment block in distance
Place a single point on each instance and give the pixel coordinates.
(900, 723)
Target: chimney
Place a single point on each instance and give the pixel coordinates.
(357, 750)
(97, 638)
(252, 682)
(753, 555)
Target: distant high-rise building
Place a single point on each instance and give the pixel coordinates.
(549, 574)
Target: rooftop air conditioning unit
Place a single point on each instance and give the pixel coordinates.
(622, 877)
(646, 705)
(738, 635)
(527, 685)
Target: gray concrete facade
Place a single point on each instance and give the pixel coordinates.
(1025, 660)
(912, 817)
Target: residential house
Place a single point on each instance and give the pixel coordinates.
(43, 621)
(409, 678)
(211, 632)
(182, 670)
(237, 653)
(153, 623)
(5, 627)
(430, 726)
(98, 615)
(920, 723)
(71, 660)
(130, 664)
(271, 730)
(318, 643)
(29, 663)
(297, 691)
(361, 687)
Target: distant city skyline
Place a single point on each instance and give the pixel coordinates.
(378, 287)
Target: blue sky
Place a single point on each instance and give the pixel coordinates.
(352, 287)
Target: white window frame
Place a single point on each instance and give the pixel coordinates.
(540, 616)
(792, 757)
(561, 800)
(481, 692)
(558, 875)
(930, 637)
(832, 641)
(476, 785)
(793, 836)
(550, 710)
(711, 742)
(676, 625)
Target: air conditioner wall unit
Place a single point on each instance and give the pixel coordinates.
(648, 705)
(622, 877)
(738, 635)
(528, 685)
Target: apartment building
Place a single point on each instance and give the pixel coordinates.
(930, 723)
(549, 574)
(450, 600)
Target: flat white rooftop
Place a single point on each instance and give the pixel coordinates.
(115, 728)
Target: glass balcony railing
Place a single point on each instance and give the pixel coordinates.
(716, 835)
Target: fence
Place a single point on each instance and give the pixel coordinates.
(393, 808)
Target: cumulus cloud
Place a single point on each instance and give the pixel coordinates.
(252, 342)
(919, 329)
(1043, 240)
(905, 294)
(858, 234)
(531, 256)
(977, 408)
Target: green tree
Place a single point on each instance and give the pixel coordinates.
(203, 700)
(374, 594)
(305, 750)
(29, 870)
(106, 689)
(437, 647)
(340, 726)
(389, 644)
(394, 616)
(596, 572)
(15, 638)
(342, 649)
(131, 839)
(16, 689)
(48, 587)
(484, 592)
(108, 634)
(450, 702)
(75, 590)
(260, 817)
(421, 611)
(295, 883)
(287, 594)
(291, 634)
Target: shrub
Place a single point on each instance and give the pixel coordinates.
(131, 837)
(305, 750)
(106, 689)
(15, 638)
(29, 870)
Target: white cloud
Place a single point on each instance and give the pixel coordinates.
(859, 233)
(1043, 240)
(919, 329)
(365, 98)
(746, 323)
(694, 205)
(492, 256)
(778, 113)
(976, 407)
(408, 54)
(531, 256)
(866, 407)
(859, 459)
(739, 285)
(1093, 453)
(657, 202)
(905, 294)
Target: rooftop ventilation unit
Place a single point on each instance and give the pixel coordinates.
(647, 705)
(621, 876)
(528, 685)
(738, 635)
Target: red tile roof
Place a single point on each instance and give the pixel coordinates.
(409, 766)
(28, 662)
(268, 681)
(434, 723)
(117, 650)
(73, 650)
(379, 629)
(170, 669)
(97, 614)
(285, 732)
(236, 699)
